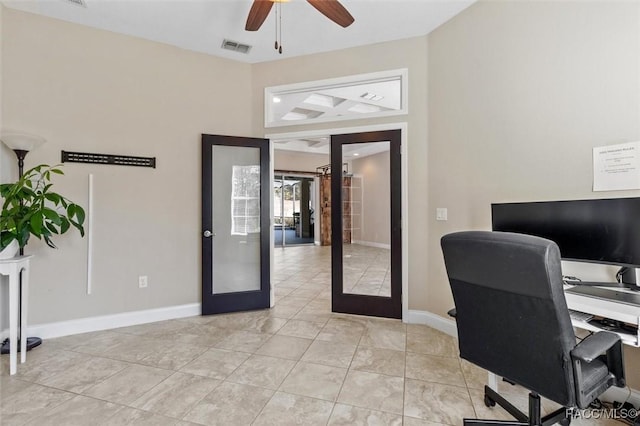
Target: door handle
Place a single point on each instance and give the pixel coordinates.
(208, 234)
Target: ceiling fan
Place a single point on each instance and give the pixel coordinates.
(332, 9)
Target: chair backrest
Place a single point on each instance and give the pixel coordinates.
(511, 312)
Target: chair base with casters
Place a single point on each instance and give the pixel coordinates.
(491, 398)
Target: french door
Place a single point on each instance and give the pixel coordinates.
(366, 224)
(235, 224)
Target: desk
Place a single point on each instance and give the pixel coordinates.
(606, 309)
(12, 267)
(601, 308)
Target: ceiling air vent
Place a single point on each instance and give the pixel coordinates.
(77, 2)
(235, 46)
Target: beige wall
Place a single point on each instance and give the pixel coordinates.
(5, 169)
(376, 198)
(95, 91)
(8, 167)
(411, 54)
(519, 93)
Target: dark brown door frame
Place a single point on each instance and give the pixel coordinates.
(389, 307)
(246, 300)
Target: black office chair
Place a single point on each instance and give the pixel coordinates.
(513, 321)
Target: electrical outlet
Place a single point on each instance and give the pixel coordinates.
(142, 281)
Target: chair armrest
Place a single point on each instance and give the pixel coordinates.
(602, 346)
(594, 345)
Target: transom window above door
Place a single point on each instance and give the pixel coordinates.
(346, 98)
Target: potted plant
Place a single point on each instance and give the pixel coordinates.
(30, 207)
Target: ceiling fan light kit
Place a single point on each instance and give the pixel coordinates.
(260, 9)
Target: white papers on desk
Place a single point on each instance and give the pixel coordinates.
(616, 167)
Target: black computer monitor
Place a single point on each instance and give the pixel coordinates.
(597, 231)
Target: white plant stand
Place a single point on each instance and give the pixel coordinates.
(14, 268)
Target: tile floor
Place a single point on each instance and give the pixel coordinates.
(295, 364)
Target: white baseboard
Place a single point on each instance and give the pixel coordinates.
(445, 325)
(105, 322)
(372, 244)
(448, 326)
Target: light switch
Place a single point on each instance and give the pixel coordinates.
(441, 213)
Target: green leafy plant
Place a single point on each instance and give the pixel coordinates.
(30, 207)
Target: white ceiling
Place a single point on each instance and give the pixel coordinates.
(201, 25)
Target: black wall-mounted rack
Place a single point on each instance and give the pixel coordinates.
(120, 160)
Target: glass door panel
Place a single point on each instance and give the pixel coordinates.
(278, 211)
(236, 219)
(366, 224)
(293, 210)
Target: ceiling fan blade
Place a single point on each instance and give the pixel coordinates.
(259, 11)
(333, 10)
